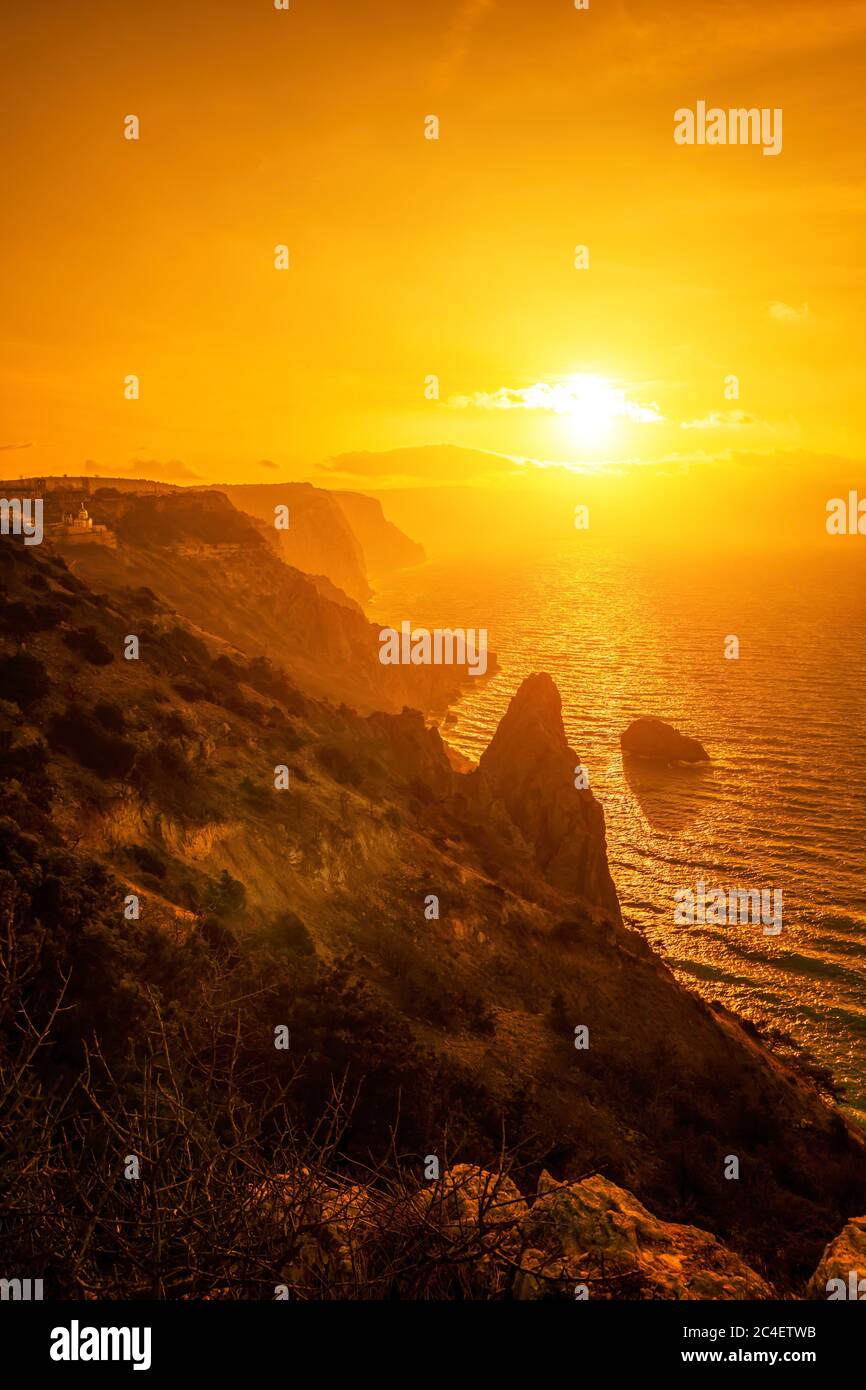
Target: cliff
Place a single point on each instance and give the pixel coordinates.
(219, 570)
(319, 538)
(444, 949)
(386, 548)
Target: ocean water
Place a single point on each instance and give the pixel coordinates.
(782, 804)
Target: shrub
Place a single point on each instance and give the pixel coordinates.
(89, 645)
(23, 679)
(48, 616)
(290, 934)
(226, 896)
(19, 619)
(227, 667)
(69, 582)
(110, 716)
(218, 937)
(147, 861)
(191, 691)
(259, 797)
(77, 733)
(175, 725)
(339, 765)
(290, 739)
(267, 680)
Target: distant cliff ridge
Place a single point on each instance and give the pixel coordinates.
(342, 536)
(319, 539)
(386, 548)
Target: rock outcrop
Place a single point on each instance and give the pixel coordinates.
(478, 1225)
(654, 739)
(604, 1236)
(528, 773)
(414, 753)
(842, 1265)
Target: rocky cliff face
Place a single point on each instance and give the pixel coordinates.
(385, 546)
(319, 539)
(528, 775)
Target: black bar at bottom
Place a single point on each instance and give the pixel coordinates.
(227, 1339)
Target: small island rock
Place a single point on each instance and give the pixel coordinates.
(653, 738)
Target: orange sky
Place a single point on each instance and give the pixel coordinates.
(411, 257)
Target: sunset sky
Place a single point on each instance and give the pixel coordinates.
(412, 257)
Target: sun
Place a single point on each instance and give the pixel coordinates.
(591, 407)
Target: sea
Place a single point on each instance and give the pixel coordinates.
(782, 803)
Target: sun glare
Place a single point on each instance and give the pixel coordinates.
(593, 408)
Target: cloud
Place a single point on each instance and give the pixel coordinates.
(721, 420)
(750, 431)
(786, 313)
(266, 463)
(28, 445)
(574, 395)
(152, 468)
(436, 463)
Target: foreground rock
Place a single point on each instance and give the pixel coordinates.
(472, 1233)
(653, 738)
(609, 1241)
(842, 1265)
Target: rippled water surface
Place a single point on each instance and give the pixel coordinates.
(782, 804)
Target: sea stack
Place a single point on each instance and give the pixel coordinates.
(528, 771)
(661, 742)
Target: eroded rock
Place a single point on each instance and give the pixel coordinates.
(607, 1238)
(528, 774)
(842, 1265)
(653, 738)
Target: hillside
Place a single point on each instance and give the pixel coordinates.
(221, 572)
(311, 908)
(319, 538)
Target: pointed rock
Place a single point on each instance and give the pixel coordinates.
(529, 770)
